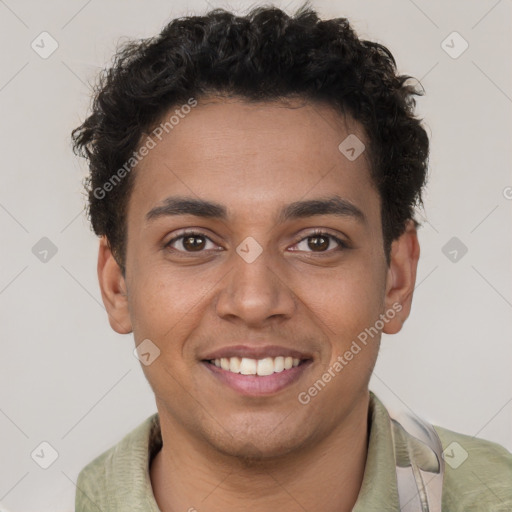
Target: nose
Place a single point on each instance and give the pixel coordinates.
(255, 292)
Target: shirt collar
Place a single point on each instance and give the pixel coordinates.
(379, 488)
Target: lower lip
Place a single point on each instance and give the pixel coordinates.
(255, 385)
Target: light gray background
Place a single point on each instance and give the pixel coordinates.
(68, 379)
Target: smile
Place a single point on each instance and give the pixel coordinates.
(257, 377)
(260, 367)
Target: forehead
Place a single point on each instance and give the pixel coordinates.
(244, 154)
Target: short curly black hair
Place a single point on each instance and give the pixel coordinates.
(266, 55)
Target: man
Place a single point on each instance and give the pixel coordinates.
(253, 181)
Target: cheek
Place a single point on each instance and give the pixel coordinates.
(156, 302)
(347, 302)
(166, 309)
(347, 306)
(167, 306)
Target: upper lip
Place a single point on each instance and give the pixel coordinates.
(259, 352)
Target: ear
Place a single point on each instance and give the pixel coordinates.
(113, 289)
(401, 277)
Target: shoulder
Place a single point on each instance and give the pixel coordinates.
(478, 474)
(118, 473)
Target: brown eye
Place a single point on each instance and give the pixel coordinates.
(318, 243)
(190, 242)
(194, 243)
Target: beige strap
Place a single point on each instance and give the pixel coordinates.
(419, 463)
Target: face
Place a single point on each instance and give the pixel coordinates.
(254, 245)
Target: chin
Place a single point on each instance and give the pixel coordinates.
(254, 451)
(259, 445)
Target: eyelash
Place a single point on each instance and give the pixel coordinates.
(342, 245)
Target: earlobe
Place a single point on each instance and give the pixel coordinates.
(113, 289)
(401, 278)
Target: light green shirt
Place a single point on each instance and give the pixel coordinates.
(118, 480)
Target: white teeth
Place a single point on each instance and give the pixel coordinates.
(279, 364)
(248, 366)
(262, 367)
(234, 364)
(265, 366)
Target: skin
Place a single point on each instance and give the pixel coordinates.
(223, 450)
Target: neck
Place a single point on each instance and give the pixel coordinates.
(325, 477)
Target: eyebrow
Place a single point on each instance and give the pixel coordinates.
(333, 205)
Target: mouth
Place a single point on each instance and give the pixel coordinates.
(261, 367)
(256, 377)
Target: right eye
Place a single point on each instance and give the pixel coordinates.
(190, 242)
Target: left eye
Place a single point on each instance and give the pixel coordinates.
(320, 242)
